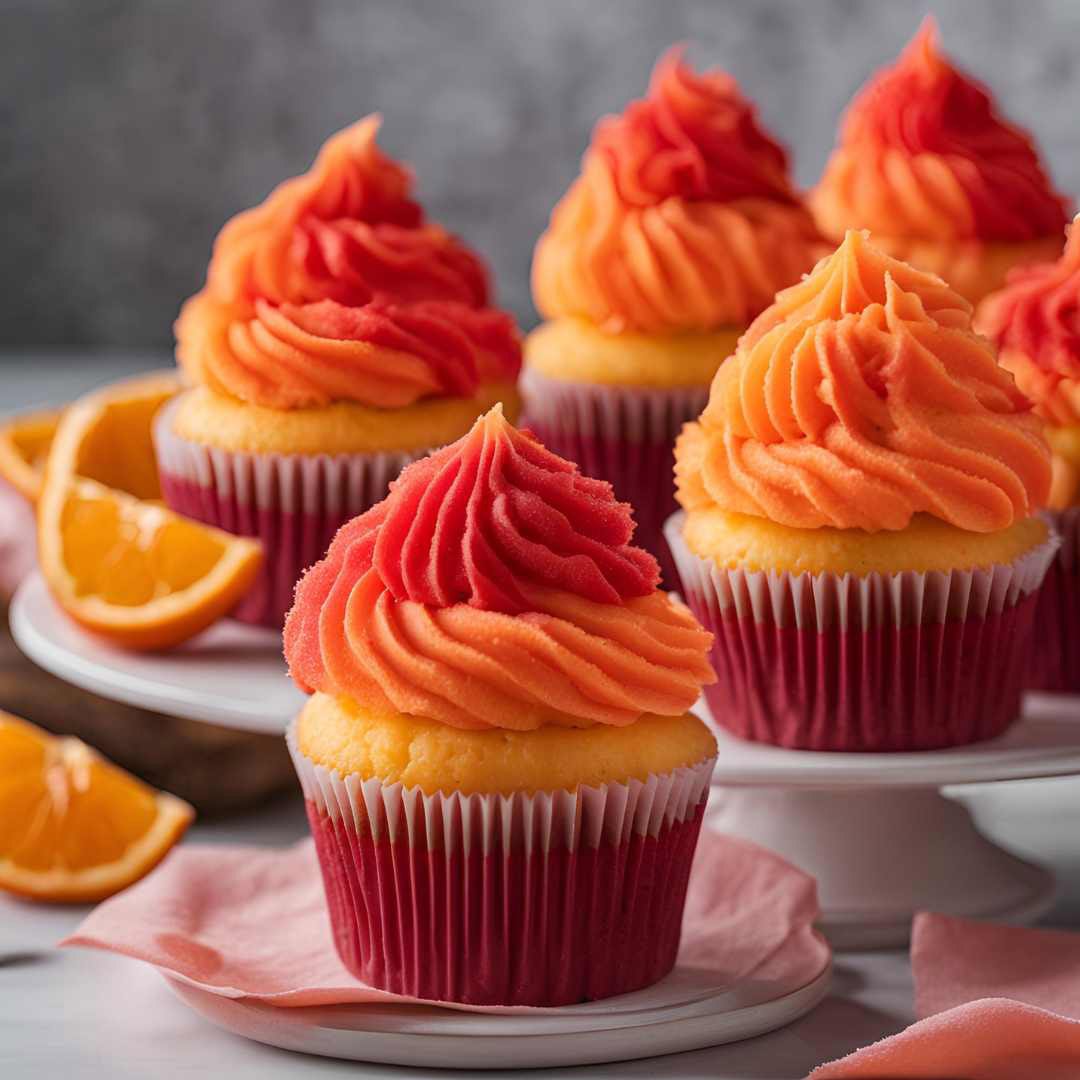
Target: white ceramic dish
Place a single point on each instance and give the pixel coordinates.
(676, 1015)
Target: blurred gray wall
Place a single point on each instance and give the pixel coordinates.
(129, 131)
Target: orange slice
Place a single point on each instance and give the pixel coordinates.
(73, 827)
(106, 435)
(24, 445)
(117, 561)
(134, 572)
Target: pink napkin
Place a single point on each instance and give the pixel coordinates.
(1000, 1002)
(252, 922)
(18, 539)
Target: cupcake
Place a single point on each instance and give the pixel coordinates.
(860, 529)
(501, 775)
(680, 229)
(1035, 322)
(338, 337)
(943, 181)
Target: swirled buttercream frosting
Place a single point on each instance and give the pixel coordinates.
(1035, 322)
(924, 153)
(496, 587)
(336, 288)
(684, 216)
(859, 399)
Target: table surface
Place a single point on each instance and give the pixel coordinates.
(94, 1015)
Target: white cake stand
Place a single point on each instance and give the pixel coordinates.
(674, 1016)
(881, 838)
(874, 829)
(232, 675)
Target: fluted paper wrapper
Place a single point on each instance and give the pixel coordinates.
(882, 662)
(1055, 649)
(528, 899)
(293, 503)
(625, 435)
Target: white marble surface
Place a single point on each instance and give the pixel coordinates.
(94, 1016)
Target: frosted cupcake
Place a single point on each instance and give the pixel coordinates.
(1035, 322)
(501, 775)
(683, 224)
(860, 530)
(943, 181)
(338, 337)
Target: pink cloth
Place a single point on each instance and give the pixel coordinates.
(999, 1002)
(250, 922)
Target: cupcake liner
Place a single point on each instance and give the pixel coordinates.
(884, 662)
(543, 899)
(625, 435)
(293, 503)
(1055, 651)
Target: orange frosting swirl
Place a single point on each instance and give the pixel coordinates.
(496, 587)
(1035, 322)
(684, 216)
(863, 397)
(381, 354)
(924, 153)
(335, 288)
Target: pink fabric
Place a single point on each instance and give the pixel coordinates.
(999, 1003)
(18, 539)
(250, 922)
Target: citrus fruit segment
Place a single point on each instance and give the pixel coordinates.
(73, 827)
(106, 435)
(24, 445)
(134, 572)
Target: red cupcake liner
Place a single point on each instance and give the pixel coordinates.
(896, 662)
(625, 435)
(544, 899)
(1055, 652)
(292, 503)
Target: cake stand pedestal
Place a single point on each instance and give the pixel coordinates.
(879, 835)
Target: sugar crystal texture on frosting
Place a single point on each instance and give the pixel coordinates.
(859, 399)
(496, 587)
(336, 288)
(923, 152)
(1035, 322)
(685, 216)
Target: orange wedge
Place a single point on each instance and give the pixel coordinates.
(73, 827)
(106, 435)
(24, 445)
(134, 572)
(117, 561)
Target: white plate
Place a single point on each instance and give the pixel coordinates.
(233, 675)
(621, 1029)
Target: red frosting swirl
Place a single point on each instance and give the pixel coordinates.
(923, 152)
(335, 288)
(695, 137)
(496, 587)
(1035, 322)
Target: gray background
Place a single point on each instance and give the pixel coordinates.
(130, 130)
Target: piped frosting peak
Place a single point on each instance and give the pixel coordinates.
(342, 246)
(684, 217)
(496, 587)
(863, 397)
(1035, 322)
(923, 153)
